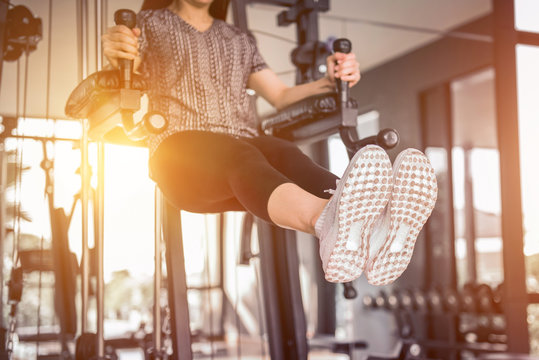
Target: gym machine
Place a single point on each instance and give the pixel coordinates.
(305, 122)
(108, 99)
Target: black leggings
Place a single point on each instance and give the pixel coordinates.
(207, 172)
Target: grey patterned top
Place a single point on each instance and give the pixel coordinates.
(197, 79)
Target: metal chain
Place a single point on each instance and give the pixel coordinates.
(166, 328)
(11, 330)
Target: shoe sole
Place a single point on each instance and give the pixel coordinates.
(412, 200)
(363, 197)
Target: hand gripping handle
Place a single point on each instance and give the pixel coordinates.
(344, 46)
(128, 18)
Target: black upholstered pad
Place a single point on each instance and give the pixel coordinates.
(95, 90)
(310, 119)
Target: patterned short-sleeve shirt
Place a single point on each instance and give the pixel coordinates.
(197, 79)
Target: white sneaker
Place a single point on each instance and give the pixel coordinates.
(346, 223)
(412, 200)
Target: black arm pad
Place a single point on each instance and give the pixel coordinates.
(315, 115)
(95, 90)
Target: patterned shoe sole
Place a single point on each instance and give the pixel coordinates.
(413, 198)
(365, 194)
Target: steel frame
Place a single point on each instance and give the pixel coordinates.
(177, 284)
(283, 304)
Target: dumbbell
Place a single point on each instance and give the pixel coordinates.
(485, 298)
(434, 300)
(368, 302)
(405, 299)
(450, 299)
(497, 297)
(467, 298)
(419, 300)
(381, 300)
(392, 300)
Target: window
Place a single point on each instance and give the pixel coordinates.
(526, 12)
(528, 108)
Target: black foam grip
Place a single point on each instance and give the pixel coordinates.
(128, 18)
(344, 46)
(125, 17)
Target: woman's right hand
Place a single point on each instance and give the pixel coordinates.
(120, 42)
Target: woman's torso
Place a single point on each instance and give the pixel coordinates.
(198, 79)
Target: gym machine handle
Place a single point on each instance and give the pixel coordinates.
(128, 18)
(386, 138)
(343, 46)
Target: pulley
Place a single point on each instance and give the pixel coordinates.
(23, 32)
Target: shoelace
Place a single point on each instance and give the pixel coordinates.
(332, 191)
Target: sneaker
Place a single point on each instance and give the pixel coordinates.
(412, 200)
(345, 224)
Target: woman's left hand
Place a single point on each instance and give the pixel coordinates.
(344, 67)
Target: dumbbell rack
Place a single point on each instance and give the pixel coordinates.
(476, 310)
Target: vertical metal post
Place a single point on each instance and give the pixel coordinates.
(326, 302)
(85, 261)
(84, 173)
(471, 256)
(283, 305)
(100, 286)
(306, 32)
(3, 184)
(99, 24)
(99, 244)
(177, 284)
(221, 234)
(3, 21)
(157, 273)
(516, 298)
(239, 14)
(439, 233)
(279, 264)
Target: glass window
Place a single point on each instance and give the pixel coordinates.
(526, 12)
(476, 180)
(528, 109)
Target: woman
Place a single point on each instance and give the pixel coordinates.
(211, 157)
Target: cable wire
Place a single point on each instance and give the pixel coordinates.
(256, 268)
(47, 101)
(208, 284)
(282, 38)
(17, 175)
(236, 303)
(49, 62)
(39, 296)
(417, 29)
